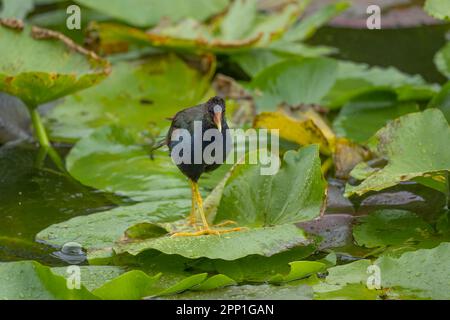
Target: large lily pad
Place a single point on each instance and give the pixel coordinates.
(16, 8)
(294, 81)
(391, 227)
(296, 193)
(111, 159)
(423, 273)
(439, 9)
(145, 13)
(307, 26)
(144, 103)
(33, 281)
(363, 116)
(235, 245)
(40, 65)
(442, 101)
(420, 274)
(415, 147)
(98, 232)
(442, 60)
(356, 78)
(93, 277)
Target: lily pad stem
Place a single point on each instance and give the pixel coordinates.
(44, 142)
(39, 128)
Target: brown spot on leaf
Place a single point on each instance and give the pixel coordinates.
(12, 23)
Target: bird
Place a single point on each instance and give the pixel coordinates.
(208, 116)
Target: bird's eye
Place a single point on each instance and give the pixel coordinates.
(217, 108)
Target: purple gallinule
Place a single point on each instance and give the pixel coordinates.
(197, 121)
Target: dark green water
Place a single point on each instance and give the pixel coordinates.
(411, 50)
(32, 199)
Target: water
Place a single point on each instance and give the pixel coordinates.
(410, 50)
(32, 199)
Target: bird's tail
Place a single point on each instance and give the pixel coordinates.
(156, 146)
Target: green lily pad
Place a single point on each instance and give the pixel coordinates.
(145, 230)
(442, 101)
(391, 227)
(325, 291)
(144, 103)
(40, 65)
(256, 60)
(442, 60)
(235, 245)
(363, 116)
(93, 277)
(415, 147)
(250, 292)
(354, 79)
(32, 281)
(216, 281)
(424, 273)
(257, 268)
(228, 35)
(289, 45)
(296, 193)
(16, 8)
(145, 13)
(439, 9)
(113, 160)
(98, 232)
(294, 81)
(308, 26)
(133, 285)
(299, 270)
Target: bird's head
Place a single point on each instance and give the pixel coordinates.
(216, 111)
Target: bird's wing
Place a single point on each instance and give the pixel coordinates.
(185, 120)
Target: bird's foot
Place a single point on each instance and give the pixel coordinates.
(206, 232)
(225, 223)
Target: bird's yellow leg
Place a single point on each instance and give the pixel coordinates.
(206, 230)
(193, 215)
